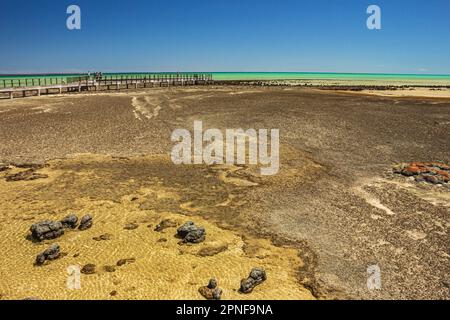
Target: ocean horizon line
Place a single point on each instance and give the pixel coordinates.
(225, 72)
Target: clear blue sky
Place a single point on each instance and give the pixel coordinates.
(231, 35)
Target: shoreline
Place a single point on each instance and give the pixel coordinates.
(394, 91)
(382, 89)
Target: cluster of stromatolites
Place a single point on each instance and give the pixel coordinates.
(431, 172)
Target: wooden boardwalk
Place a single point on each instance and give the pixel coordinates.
(109, 83)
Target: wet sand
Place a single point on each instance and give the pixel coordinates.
(334, 209)
(141, 191)
(410, 93)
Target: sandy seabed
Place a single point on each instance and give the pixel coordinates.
(163, 268)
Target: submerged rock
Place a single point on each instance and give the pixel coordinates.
(211, 291)
(52, 253)
(256, 277)
(211, 251)
(90, 268)
(40, 259)
(28, 165)
(185, 229)
(3, 167)
(131, 226)
(165, 224)
(122, 262)
(70, 221)
(86, 222)
(103, 237)
(109, 268)
(195, 236)
(46, 230)
(27, 175)
(190, 233)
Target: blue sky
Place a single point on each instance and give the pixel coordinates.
(209, 35)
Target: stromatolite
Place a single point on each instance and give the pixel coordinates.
(86, 222)
(46, 230)
(52, 253)
(190, 233)
(256, 277)
(70, 221)
(211, 291)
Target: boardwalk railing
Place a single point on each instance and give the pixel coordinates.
(26, 82)
(86, 83)
(46, 81)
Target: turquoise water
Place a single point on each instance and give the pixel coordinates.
(16, 80)
(322, 76)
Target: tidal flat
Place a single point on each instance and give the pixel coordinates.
(334, 208)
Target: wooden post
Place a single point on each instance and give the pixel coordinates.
(38, 92)
(11, 95)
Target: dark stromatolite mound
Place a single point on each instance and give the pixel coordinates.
(211, 291)
(256, 277)
(46, 230)
(3, 167)
(86, 222)
(131, 226)
(190, 233)
(70, 222)
(109, 268)
(123, 262)
(52, 253)
(165, 224)
(103, 237)
(90, 268)
(195, 236)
